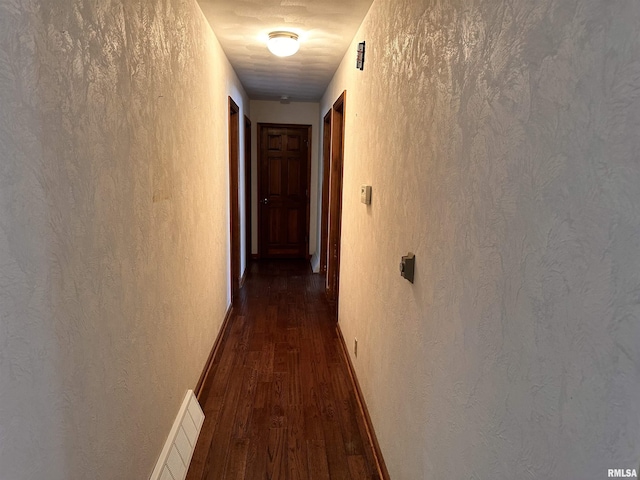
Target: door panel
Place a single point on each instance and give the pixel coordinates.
(283, 190)
(275, 143)
(275, 177)
(293, 143)
(275, 228)
(294, 181)
(294, 226)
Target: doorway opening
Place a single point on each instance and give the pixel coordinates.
(234, 213)
(326, 166)
(247, 186)
(335, 198)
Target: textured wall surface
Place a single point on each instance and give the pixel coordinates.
(501, 140)
(113, 229)
(301, 113)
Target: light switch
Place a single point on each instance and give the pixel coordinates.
(407, 266)
(365, 194)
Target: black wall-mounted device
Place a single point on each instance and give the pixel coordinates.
(407, 266)
(360, 60)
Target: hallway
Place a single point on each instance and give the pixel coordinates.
(499, 141)
(279, 401)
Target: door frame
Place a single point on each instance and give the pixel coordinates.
(247, 184)
(326, 169)
(261, 127)
(234, 207)
(335, 197)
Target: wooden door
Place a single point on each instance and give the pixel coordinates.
(283, 190)
(335, 198)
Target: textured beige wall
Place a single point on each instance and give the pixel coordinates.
(113, 229)
(501, 140)
(302, 113)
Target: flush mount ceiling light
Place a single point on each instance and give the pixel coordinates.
(283, 44)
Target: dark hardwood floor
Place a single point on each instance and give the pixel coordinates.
(279, 402)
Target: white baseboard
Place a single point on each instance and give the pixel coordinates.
(175, 458)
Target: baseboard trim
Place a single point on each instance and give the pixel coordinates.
(377, 453)
(178, 449)
(212, 355)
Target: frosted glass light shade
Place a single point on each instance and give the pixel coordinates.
(283, 44)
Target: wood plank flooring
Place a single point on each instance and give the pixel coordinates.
(279, 403)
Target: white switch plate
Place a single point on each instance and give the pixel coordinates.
(365, 194)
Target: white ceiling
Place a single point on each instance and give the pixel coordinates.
(326, 28)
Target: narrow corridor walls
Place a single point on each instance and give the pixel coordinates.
(501, 141)
(113, 228)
